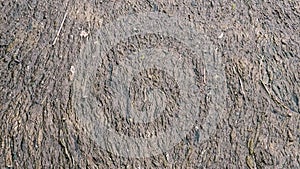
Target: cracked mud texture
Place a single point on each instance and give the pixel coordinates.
(259, 46)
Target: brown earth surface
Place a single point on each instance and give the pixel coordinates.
(259, 45)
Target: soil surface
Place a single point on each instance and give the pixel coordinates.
(259, 48)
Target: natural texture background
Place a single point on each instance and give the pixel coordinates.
(260, 45)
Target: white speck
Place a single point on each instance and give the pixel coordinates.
(221, 36)
(72, 70)
(167, 157)
(83, 34)
(100, 22)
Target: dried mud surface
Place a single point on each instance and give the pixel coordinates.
(259, 43)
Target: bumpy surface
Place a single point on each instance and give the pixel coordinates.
(256, 42)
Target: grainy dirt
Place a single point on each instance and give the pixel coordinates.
(259, 45)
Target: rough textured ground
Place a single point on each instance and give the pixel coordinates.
(260, 48)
